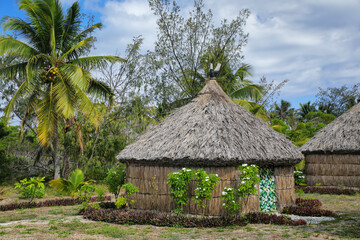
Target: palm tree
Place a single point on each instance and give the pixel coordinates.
(54, 63)
(72, 185)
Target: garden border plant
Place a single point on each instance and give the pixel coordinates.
(328, 190)
(137, 217)
(48, 203)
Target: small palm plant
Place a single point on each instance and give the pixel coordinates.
(72, 185)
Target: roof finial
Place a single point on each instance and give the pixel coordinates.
(214, 73)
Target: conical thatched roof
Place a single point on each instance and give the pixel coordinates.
(340, 136)
(211, 130)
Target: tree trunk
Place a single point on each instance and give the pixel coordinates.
(55, 157)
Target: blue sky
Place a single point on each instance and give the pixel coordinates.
(311, 43)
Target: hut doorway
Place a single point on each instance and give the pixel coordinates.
(267, 196)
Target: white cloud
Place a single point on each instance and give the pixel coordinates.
(122, 21)
(311, 43)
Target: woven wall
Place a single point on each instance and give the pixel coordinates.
(285, 186)
(154, 193)
(333, 170)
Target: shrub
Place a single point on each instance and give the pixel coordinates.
(272, 219)
(308, 211)
(312, 203)
(248, 179)
(47, 203)
(328, 190)
(124, 200)
(147, 217)
(299, 177)
(179, 187)
(33, 188)
(205, 185)
(308, 207)
(115, 179)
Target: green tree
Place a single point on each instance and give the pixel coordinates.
(181, 45)
(337, 100)
(53, 60)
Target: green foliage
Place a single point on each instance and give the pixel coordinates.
(120, 202)
(124, 200)
(115, 179)
(205, 185)
(179, 187)
(230, 197)
(32, 188)
(337, 100)
(248, 179)
(299, 177)
(72, 185)
(84, 194)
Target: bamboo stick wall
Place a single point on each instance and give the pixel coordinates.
(333, 170)
(284, 186)
(154, 193)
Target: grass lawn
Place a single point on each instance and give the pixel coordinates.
(63, 223)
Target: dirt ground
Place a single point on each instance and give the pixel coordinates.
(64, 223)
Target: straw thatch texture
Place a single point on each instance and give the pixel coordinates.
(154, 193)
(340, 136)
(284, 186)
(211, 131)
(333, 170)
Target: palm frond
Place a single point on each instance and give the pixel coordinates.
(16, 48)
(88, 108)
(64, 97)
(47, 118)
(101, 90)
(13, 70)
(24, 88)
(96, 61)
(82, 44)
(251, 92)
(76, 178)
(76, 76)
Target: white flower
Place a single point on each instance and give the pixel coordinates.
(244, 165)
(253, 165)
(224, 204)
(242, 182)
(184, 169)
(197, 196)
(223, 193)
(233, 201)
(188, 170)
(216, 175)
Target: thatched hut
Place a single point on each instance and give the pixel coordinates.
(332, 156)
(213, 133)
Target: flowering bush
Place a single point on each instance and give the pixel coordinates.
(179, 187)
(299, 177)
(248, 178)
(205, 185)
(230, 196)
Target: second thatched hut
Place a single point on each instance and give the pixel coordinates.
(332, 156)
(213, 133)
